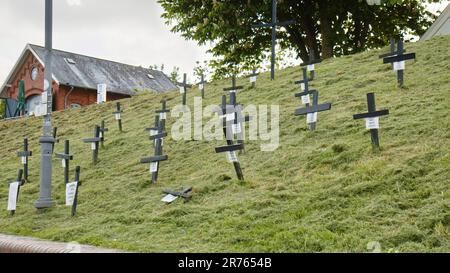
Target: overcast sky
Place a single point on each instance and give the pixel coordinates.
(128, 31)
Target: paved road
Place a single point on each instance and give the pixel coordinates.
(18, 244)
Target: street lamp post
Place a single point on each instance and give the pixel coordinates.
(46, 141)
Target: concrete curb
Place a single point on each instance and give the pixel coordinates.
(18, 244)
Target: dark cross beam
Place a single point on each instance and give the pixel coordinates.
(311, 64)
(184, 193)
(21, 183)
(253, 78)
(103, 130)
(162, 115)
(304, 84)
(230, 149)
(273, 25)
(66, 157)
(201, 85)
(55, 132)
(158, 138)
(117, 115)
(75, 199)
(94, 143)
(24, 157)
(399, 60)
(154, 130)
(313, 109)
(392, 52)
(372, 113)
(184, 87)
(234, 88)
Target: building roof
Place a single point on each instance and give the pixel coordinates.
(440, 27)
(77, 70)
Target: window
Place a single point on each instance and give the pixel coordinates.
(70, 61)
(75, 106)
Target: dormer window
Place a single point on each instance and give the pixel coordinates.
(69, 61)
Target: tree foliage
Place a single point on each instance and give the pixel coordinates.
(328, 27)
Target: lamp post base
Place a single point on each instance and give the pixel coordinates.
(43, 203)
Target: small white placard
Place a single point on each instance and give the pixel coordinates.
(162, 116)
(230, 117)
(305, 99)
(236, 128)
(169, 198)
(24, 160)
(232, 91)
(153, 132)
(71, 189)
(181, 89)
(311, 67)
(302, 86)
(63, 163)
(12, 197)
(311, 118)
(93, 146)
(232, 156)
(117, 116)
(101, 93)
(44, 98)
(253, 79)
(372, 123)
(201, 86)
(100, 135)
(153, 167)
(162, 141)
(399, 65)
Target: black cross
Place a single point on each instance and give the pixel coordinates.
(117, 115)
(392, 52)
(185, 87)
(158, 138)
(24, 157)
(398, 58)
(233, 88)
(310, 64)
(202, 85)
(66, 157)
(94, 143)
(184, 193)
(254, 74)
(231, 148)
(21, 183)
(55, 131)
(304, 82)
(103, 130)
(75, 199)
(154, 130)
(372, 113)
(163, 115)
(273, 25)
(312, 109)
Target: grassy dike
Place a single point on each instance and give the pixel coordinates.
(319, 191)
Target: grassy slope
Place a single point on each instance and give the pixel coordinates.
(320, 191)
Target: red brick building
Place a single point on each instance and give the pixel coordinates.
(75, 79)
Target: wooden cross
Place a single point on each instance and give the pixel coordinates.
(233, 88)
(231, 149)
(117, 115)
(154, 130)
(183, 88)
(184, 193)
(201, 85)
(24, 157)
(273, 25)
(253, 78)
(311, 110)
(94, 143)
(162, 115)
(14, 189)
(65, 159)
(310, 65)
(392, 52)
(398, 61)
(154, 160)
(372, 119)
(103, 130)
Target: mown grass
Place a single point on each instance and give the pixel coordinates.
(319, 191)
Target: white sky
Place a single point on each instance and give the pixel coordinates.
(128, 31)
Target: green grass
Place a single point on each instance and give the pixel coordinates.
(319, 191)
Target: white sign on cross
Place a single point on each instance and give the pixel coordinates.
(169, 198)
(71, 189)
(12, 196)
(372, 123)
(399, 66)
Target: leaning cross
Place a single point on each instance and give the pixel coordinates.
(311, 110)
(231, 149)
(173, 195)
(117, 115)
(65, 160)
(154, 160)
(72, 192)
(372, 119)
(310, 65)
(398, 61)
(94, 143)
(103, 130)
(24, 157)
(273, 25)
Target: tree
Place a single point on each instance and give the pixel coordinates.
(174, 75)
(328, 27)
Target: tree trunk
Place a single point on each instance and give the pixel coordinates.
(326, 30)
